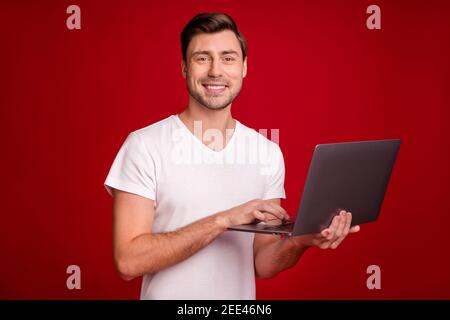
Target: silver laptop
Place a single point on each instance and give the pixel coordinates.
(351, 176)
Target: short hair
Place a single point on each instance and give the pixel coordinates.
(210, 23)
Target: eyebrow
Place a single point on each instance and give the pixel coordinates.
(209, 52)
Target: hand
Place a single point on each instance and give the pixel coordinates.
(264, 210)
(331, 237)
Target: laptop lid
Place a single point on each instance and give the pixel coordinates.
(352, 176)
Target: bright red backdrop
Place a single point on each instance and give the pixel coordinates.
(69, 98)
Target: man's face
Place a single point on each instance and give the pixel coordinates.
(214, 69)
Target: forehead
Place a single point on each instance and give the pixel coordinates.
(214, 42)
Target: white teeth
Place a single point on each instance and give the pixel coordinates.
(215, 87)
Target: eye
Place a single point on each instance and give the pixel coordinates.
(202, 59)
(229, 59)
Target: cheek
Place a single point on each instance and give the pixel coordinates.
(192, 79)
(198, 71)
(235, 73)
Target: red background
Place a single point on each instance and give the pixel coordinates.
(69, 98)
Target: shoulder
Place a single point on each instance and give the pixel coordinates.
(155, 134)
(155, 129)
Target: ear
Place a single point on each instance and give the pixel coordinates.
(183, 68)
(244, 68)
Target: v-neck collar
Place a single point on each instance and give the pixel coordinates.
(191, 134)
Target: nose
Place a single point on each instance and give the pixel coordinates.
(215, 69)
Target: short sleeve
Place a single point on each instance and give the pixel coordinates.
(133, 169)
(275, 176)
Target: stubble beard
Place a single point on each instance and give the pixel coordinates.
(215, 102)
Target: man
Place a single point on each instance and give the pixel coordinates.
(171, 211)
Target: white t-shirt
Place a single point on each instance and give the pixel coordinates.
(188, 180)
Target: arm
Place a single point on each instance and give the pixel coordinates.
(137, 251)
(273, 254)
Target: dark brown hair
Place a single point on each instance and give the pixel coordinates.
(210, 23)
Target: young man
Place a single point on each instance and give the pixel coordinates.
(179, 183)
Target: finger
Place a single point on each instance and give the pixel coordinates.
(329, 232)
(323, 234)
(345, 232)
(340, 229)
(354, 229)
(336, 243)
(332, 228)
(348, 223)
(281, 209)
(282, 214)
(324, 245)
(271, 220)
(259, 215)
(265, 206)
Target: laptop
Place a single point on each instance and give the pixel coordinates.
(351, 176)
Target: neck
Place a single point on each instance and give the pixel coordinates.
(221, 120)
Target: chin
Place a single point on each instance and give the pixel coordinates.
(220, 107)
(217, 105)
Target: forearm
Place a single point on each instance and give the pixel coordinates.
(277, 256)
(149, 253)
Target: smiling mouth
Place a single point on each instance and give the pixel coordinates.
(214, 88)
